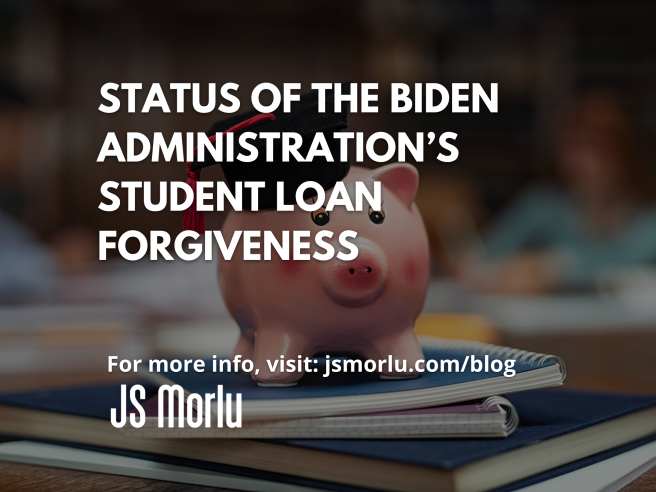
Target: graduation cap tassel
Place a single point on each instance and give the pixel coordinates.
(193, 219)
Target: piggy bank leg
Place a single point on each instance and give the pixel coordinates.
(270, 344)
(402, 347)
(245, 346)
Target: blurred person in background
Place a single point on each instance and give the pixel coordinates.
(599, 216)
(27, 267)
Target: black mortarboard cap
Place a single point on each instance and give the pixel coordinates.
(304, 119)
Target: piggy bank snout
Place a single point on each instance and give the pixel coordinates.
(357, 282)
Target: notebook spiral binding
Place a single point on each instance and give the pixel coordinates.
(512, 417)
(524, 356)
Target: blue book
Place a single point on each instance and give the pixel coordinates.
(467, 371)
(559, 431)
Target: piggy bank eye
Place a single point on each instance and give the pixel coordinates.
(320, 217)
(376, 217)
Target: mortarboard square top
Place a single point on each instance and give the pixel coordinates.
(304, 119)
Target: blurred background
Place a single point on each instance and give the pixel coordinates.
(543, 231)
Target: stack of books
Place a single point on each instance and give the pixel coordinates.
(444, 431)
(38, 339)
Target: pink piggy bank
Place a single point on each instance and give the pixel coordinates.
(366, 307)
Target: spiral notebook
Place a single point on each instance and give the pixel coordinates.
(493, 417)
(359, 393)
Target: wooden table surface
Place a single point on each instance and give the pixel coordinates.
(621, 361)
(28, 478)
(644, 483)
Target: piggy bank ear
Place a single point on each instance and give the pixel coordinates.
(400, 179)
